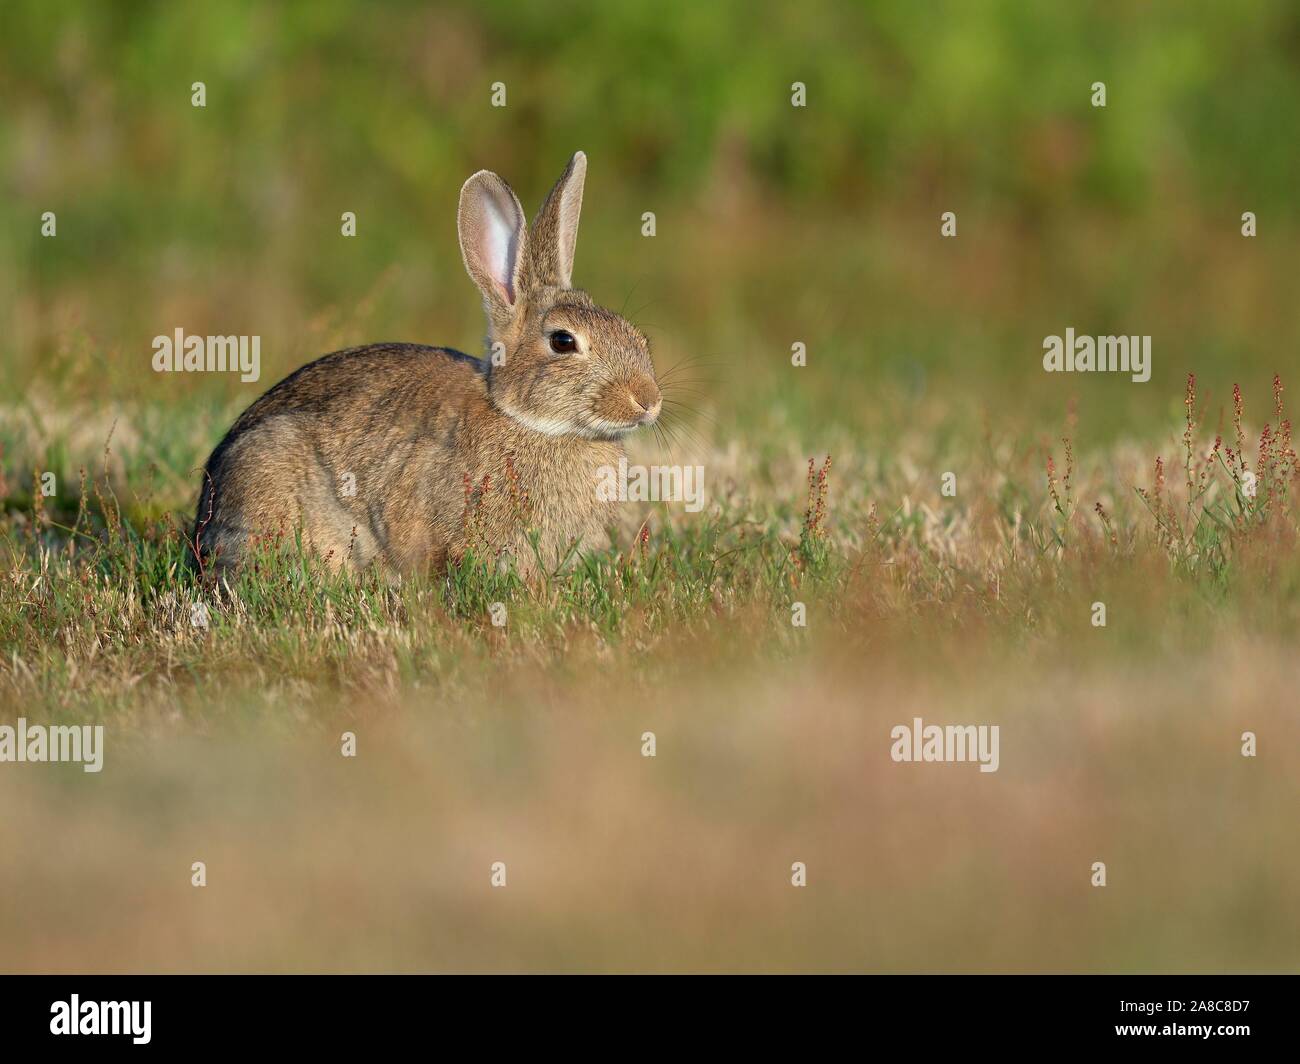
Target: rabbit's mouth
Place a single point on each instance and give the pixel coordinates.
(637, 416)
(603, 429)
(591, 426)
(623, 408)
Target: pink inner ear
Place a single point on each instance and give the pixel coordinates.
(501, 245)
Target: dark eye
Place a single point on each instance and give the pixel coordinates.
(563, 343)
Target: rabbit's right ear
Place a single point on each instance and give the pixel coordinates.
(492, 234)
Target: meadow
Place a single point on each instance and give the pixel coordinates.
(1171, 503)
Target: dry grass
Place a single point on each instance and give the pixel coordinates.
(523, 744)
(682, 862)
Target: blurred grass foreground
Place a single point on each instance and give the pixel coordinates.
(661, 733)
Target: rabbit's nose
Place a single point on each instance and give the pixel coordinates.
(645, 399)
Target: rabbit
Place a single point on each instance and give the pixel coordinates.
(407, 456)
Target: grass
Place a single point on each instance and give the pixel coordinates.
(522, 742)
(100, 613)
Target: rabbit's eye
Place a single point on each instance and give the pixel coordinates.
(563, 343)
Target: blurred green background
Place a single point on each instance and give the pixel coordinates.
(775, 224)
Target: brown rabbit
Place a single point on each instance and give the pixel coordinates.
(408, 455)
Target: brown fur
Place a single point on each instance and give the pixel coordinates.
(415, 426)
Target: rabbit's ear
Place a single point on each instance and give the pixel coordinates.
(555, 230)
(491, 227)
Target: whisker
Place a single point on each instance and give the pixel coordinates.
(623, 313)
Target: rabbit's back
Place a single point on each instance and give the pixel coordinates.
(340, 450)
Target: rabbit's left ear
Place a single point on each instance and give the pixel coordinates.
(554, 235)
(492, 239)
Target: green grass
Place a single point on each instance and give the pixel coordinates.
(98, 608)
